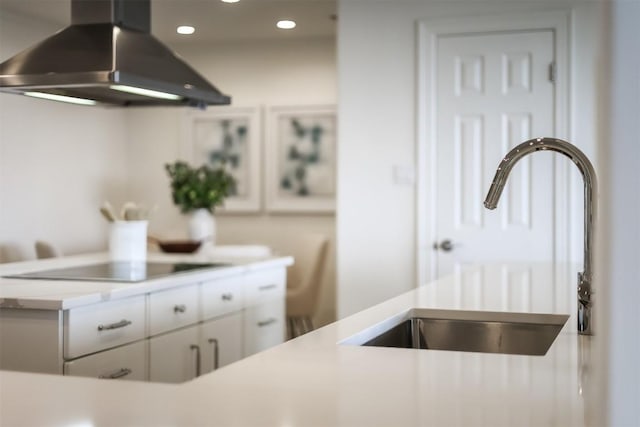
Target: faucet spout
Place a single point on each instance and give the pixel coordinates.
(585, 318)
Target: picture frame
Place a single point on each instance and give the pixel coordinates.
(301, 159)
(231, 135)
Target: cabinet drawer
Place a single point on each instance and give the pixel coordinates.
(127, 362)
(221, 296)
(100, 326)
(173, 309)
(264, 326)
(265, 285)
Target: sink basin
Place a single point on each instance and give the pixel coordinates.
(475, 331)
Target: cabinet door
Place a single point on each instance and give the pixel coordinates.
(264, 326)
(174, 357)
(127, 362)
(221, 342)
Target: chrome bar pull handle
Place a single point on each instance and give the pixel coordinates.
(227, 297)
(267, 287)
(122, 372)
(216, 354)
(180, 308)
(117, 325)
(197, 349)
(267, 322)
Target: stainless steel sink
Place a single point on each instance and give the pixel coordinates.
(474, 331)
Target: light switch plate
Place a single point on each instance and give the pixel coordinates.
(404, 175)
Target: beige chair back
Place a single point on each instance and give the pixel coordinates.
(46, 250)
(305, 276)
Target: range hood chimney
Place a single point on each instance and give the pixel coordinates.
(107, 57)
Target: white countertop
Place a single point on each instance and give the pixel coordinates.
(65, 294)
(314, 381)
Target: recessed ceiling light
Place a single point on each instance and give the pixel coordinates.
(286, 24)
(185, 29)
(230, 1)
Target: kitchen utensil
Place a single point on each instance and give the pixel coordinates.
(136, 212)
(107, 211)
(130, 212)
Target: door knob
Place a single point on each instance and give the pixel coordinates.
(445, 245)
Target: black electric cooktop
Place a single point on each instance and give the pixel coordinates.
(117, 271)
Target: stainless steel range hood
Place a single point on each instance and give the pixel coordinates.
(108, 57)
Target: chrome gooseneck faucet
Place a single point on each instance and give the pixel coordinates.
(585, 318)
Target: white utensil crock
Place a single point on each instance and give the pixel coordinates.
(128, 241)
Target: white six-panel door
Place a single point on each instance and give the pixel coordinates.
(493, 92)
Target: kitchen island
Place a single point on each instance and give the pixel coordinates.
(317, 380)
(169, 319)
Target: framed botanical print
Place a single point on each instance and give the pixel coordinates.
(229, 137)
(301, 159)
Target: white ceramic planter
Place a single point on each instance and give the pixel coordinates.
(202, 226)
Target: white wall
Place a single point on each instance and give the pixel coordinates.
(58, 162)
(618, 258)
(254, 74)
(376, 222)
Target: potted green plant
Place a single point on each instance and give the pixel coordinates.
(198, 191)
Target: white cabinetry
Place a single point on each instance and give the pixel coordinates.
(128, 362)
(168, 335)
(105, 325)
(261, 286)
(174, 357)
(172, 309)
(264, 324)
(220, 342)
(222, 296)
(184, 354)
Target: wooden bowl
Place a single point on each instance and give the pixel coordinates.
(179, 246)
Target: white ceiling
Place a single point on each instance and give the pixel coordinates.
(213, 19)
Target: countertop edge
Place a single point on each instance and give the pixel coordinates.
(98, 291)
